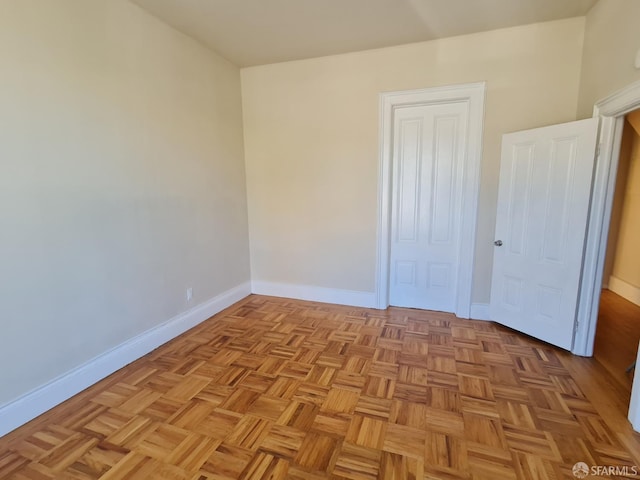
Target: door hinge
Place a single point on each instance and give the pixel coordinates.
(598, 150)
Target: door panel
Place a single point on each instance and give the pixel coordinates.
(429, 150)
(543, 201)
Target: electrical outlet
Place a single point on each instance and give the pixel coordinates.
(189, 294)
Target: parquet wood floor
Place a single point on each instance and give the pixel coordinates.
(274, 388)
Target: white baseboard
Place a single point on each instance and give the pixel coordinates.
(47, 396)
(316, 294)
(624, 289)
(480, 311)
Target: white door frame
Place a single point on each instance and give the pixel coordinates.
(611, 111)
(473, 94)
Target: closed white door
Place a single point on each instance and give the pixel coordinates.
(543, 201)
(429, 145)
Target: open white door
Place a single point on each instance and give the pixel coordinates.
(543, 202)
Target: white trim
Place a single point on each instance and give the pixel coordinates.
(634, 403)
(47, 396)
(619, 103)
(611, 111)
(624, 289)
(315, 294)
(480, 311)
(474, 95)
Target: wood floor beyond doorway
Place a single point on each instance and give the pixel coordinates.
(275, 388)
(617, 335)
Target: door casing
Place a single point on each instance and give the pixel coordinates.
(611, 112)
(473, 94)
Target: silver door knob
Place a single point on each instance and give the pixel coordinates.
(498, 243)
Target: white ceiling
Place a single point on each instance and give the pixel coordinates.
(255, 32)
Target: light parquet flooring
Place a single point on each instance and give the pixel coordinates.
(274, 388)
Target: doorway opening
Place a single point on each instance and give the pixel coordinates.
(405, 117)
(618, 328)
(611, 111)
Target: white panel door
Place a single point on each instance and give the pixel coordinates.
(428, 155)
(543, 202)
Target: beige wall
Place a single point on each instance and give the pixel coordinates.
(121, 181)
(121, 162)
(611, 41)
(311, 142)
(626, 264)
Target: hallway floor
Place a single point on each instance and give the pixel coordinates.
(617, 335)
